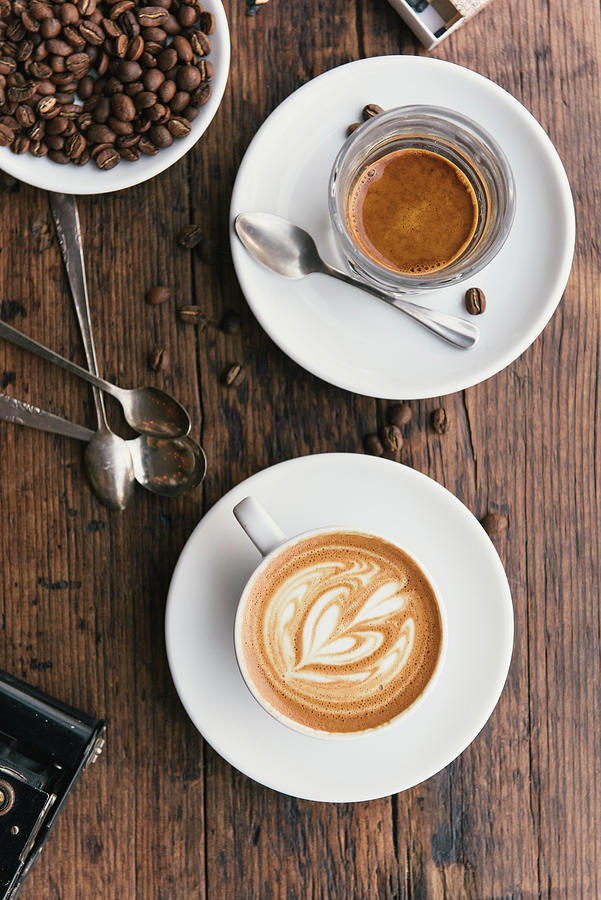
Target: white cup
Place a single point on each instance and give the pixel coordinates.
(270, 541)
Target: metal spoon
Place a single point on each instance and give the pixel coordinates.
(146, 409)
(166, 466)
(291, 251)
(107, 457)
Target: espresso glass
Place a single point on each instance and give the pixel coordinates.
(450, 135)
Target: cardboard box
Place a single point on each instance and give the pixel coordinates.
(434, 20)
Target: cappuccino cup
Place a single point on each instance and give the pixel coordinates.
(338, 633)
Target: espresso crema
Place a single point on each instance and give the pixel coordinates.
(341, 632)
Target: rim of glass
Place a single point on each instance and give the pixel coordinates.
(467, 138)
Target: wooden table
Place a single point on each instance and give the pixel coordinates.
(83, 591)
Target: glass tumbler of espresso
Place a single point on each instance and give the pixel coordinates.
(420, 197)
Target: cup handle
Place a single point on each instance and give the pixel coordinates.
(259, 526)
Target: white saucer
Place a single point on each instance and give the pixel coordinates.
(69, 179)
(350, 339)
(362, 492)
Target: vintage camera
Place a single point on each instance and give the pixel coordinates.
(44, 747)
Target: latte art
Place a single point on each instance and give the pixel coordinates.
(341, 632)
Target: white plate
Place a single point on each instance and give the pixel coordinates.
(43, 173)
(362, 492)
(350, 339)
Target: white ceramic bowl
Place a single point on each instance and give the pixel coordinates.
(44, 173)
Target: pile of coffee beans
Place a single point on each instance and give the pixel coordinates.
(101, 79)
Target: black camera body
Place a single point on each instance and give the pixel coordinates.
(44, 747)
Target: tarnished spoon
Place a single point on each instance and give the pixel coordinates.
(291, 251)
(107, 457)
(146, 409)
(166, 466)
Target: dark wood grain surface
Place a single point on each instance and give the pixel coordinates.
(82, 592)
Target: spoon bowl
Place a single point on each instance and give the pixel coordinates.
(170, 466)
(154, 413)
(110, 469)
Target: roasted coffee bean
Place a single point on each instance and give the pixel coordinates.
(130, 154)
(207, 22)
(59, 157)
(25, 116)
(201, 95)
(120, 45)
(352, 128)
(58, 47)
(147, 147)
(135, 48)
(145, 99)
(373, 445)
(233, 375)
(56, 125)
(400, 415)
(7, 136)
(20, 144)
(158, 359)
(128, 70)
(55, 141)
(40, 70)
(50, 28)
(153, 79)
(179, 102)
(121, 8)
(189, 77)
(168, 59)
(75, 145)
(47, 107)
(107, 158)
(192, 315)
(475, 301)
(121, 129)
(205, 69)
(167, 91)
(8, 65)
(101, 134)
(86, 86)
(18, 93)
(438, 419)
(392, 439)
(123, 107)
(370, 111)
(38, 148)
(160, 136)
(183, 48)
(179, 127)
(73, 37)
(93, 34)
(230, 323)
(190, 236)
(69, 14)
(494, 523)
(150, 16)
(37, 131)
(157, 295)
(200, 43)
(187, 16)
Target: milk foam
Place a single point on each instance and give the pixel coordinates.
(341, 632)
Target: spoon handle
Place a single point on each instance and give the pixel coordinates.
(453, 329)
(20, 413)
(68, 231)
(22, 340)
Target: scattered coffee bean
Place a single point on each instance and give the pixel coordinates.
(158, 295)
(400, 414)
(192, 315)
(438, 419)
(494, 523)
(371, 110)
(99, 64)
(392, 439)
(373, 445)
(352, 128)
(159, 360)
(475, 301)
(232, 375)
(230, 323)
(190, 236)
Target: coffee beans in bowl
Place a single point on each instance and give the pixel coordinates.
(102, 82)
